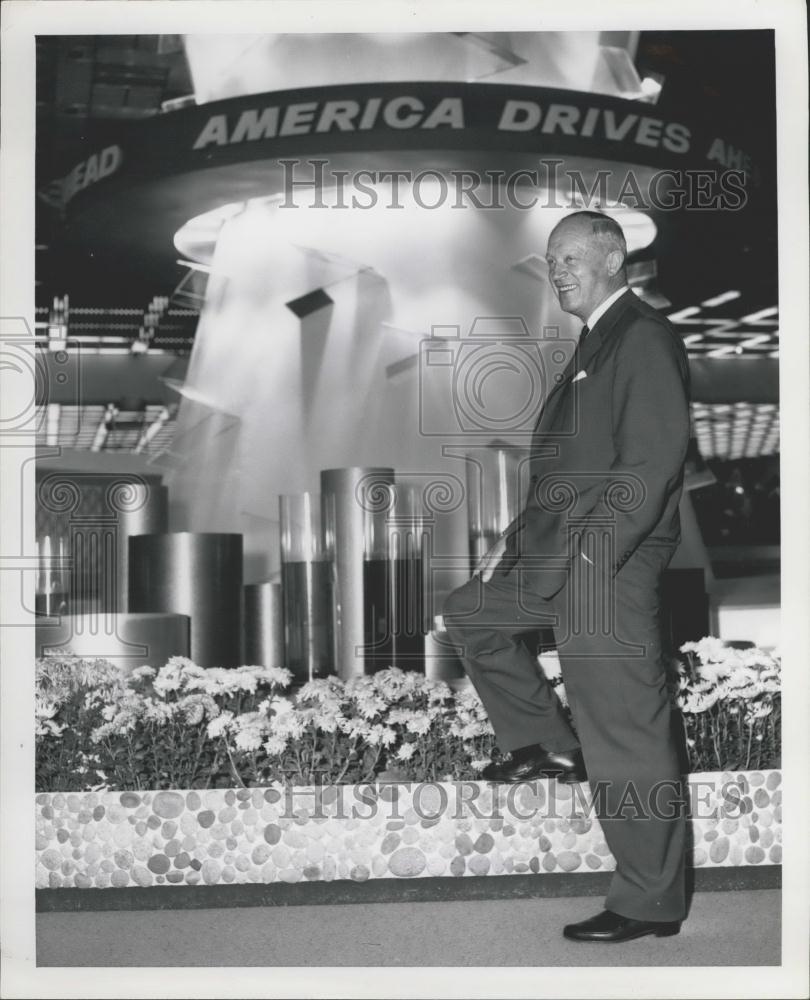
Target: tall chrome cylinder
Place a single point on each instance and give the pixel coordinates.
(408, 576)
(264, 625)
(197, 574)
(306, 584)
(84, 522)
(356, 502)
(496, 490)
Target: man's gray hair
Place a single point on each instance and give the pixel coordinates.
(608, 230)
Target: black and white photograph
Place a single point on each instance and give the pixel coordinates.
(399, 584)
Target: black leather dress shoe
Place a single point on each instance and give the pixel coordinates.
(532, 762)
(610, 927)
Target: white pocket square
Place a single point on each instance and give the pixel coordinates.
(579, 375)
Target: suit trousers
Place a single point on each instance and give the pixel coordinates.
(608, 636)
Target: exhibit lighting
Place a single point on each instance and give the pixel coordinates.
(54, 413)
(720, 300)
(151, 430)
(104, 427)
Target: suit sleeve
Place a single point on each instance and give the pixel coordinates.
(651, 433)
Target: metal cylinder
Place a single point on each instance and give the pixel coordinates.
(441, 661)
(198, 574)
(84, 522)
(408, 582)
(128, 640)
(264, 625)
(355, 505)
(495, 493)
(306, 585)
(150, 518)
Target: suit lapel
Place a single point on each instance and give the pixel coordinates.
(586, 352)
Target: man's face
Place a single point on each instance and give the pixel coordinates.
(577, 268)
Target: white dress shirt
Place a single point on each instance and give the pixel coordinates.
(603, 307)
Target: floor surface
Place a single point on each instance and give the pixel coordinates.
(724, 928)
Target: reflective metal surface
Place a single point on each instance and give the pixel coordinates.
(306, 584)
(129, 640)
(84, 522)
(356, 502)
(196, 574)
(264, 625)
(441, 662)
(495, 493)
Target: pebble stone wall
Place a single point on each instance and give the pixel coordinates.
(284, 834)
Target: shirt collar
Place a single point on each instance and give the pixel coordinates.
(603, 307)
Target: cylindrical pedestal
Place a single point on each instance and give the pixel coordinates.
(306, 589)
(441, 662)
(84, 522)
(356, 502)
(196, 574)
(264, 625)
(495, 494)
(408, 600)
(129, 640)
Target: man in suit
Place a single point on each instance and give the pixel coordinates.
(585, 557)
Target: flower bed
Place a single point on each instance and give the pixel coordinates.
(188, 727)
(369, 778)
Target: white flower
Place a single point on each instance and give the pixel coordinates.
(746, 693)
(355, 728)
(329, 722)
(696, 702)
(418, 724)
(406, 751)
(220, 725)
(195, 707)
(478, 764)
(159, 712)
(285, 719)
(166, 681)
(144, 671)
(321, 689)
(756, 712)
(248, 739)
(274, 676)
(712, 672)
(708, 649)
(182, 663)
(49, 726)
(743, 677)
(275, 746)
(280, 707)
(378, 734)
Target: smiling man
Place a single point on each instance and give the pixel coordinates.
(585, 558)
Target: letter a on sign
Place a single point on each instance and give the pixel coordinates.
(215, 131)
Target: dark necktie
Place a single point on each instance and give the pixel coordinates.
(584, 334)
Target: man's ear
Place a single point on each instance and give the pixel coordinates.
(615, 262)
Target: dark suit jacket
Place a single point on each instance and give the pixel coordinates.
(608, 449)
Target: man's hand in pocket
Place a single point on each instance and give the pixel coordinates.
(486, 567)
